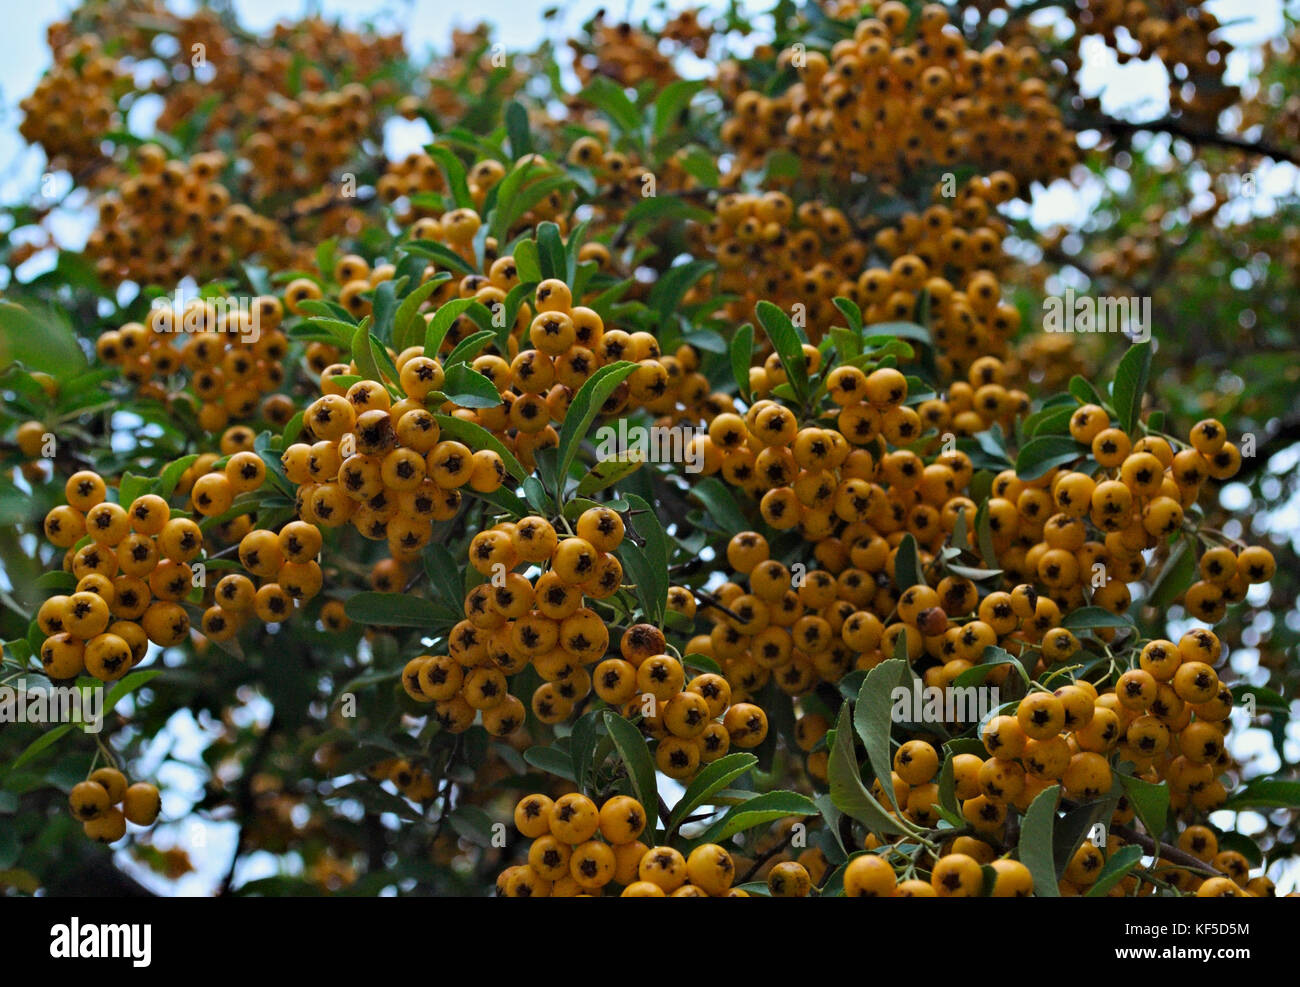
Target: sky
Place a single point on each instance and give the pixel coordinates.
(1137, 90)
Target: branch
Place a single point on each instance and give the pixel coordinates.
(1177, 127)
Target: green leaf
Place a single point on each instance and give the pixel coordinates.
(397, 610)
(1117, 867)
(171, 475)
(1150, 802)
(407, 322)
(907, 565)
(550, 250)
(473, 823)
(720, 504)
(671, 101)
(48, 738)
(521, 141)
(454, 173)
(477, 437)
(1130, 384)
(879, 332)
(582, 745)
(441, 322)
(527, 263)
(128, 685)
(1036, 841)
(606, 473)
(584, 408)
(711, 778)
(632, 749)
(39, 340)
(742, 353)
(551, 760)
(789, 347)
(1084, 392)
(873, 719)
(608, 97)
(1176, 575)
(362, 353)
(468, 348)
(1266, 793)
(666, 296)
(1094, 617)
(440, 253)
(759, 811)
(469, 388)
(1043, 453)
(57, 580)
(848, 793)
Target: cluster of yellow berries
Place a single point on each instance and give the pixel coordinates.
(104, 804)
(231, 359)
(381, 464)
(883, 106)
(133, 574)
(513, 622)
(695, 722)
(579, 849)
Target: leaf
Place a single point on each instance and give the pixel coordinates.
(720, 504)
(608, 97)
(440, 253)
(407, 321)
(397, 610)
(658, 550)
(441, 322)
(789, 347)
(1150, 802)
(1043, 453)
(848, 793)
(128, 685)
(551, 760)
(582, 745)
(1036, 842)
(711, 778)
(984, 535)
(1084, 392)
(473, 823)
(362, 354)
(1120, 863)
(454, 173)
(48, 738)
(477, 437)
(384, 308)
(550, 251)
(39, 340)
(671, 101)
(469, 388)
(873, 719)
(584, 408)
(606, 473)
(759, 811)
(666, 296)
(1094, 617)
(1130, 384)
(521, 141)
(171, 475)
(742, 353)
(57, 580)
(444, 576)
(907, 566)
(1266, 793)
(881, 331)
(1176, 575)
(468, 348)
(632, 749)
